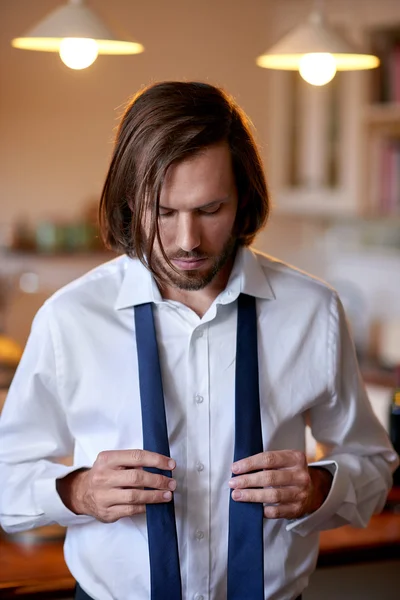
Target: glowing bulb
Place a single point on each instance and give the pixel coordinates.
(317, 68)
(78, 53)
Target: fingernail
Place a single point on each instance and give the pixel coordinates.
(167, 495)
(172, 484)
(232, 483)
(171, 464)
(235, 468)
(236, 494)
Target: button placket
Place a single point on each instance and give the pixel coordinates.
(198, 493)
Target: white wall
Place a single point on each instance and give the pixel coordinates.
(57, 124)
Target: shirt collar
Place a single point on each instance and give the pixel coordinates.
(138, 286)
(247, 277)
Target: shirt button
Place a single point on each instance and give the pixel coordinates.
(199, 535)
(198, 597)
(199, 466)
(199, 399)
(199, 332)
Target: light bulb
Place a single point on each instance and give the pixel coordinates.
(317, 68)
(78, 53)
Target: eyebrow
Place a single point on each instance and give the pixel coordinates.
(208, 205)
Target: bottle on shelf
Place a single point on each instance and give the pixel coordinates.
(394, 422)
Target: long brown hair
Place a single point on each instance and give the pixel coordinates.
(163, 124)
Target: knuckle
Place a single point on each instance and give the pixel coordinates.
(97, 479)
(276, 495)
(299, 457)
(133, 497)
(103, 457)
(244, 482)
(155, 497)
(104, 515)
(135, 477)
(302, 496)
(161, 482)
(99, 518)
(269, 460)
(271, 478)
(273, 512)
(137, 455)
(305, 479)
(298, 510)
(137, 509)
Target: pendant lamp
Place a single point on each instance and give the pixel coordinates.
(77, 34)
(316, 50)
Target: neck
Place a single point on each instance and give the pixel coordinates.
(200, 300)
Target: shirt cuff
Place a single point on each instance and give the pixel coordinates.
(49, 503)
(339, 493)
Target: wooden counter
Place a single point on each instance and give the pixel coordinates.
(39, 571)
(346, 545)
(34, 571)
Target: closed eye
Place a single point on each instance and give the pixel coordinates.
(210, 211)
(165, 213)
(206, 210)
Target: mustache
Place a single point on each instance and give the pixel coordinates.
(193, 255)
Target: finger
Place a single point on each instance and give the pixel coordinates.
(282, 496)
(117, 459)
(118, 497)
(131, 478)
(262, 479)
(114, 513)
(284, 511)
(278, 459)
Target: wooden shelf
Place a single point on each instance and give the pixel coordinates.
(97, 255)
(321, 202)
(382, 114)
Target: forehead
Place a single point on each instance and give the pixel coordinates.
(203, 178)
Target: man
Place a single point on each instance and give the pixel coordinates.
(236, 335)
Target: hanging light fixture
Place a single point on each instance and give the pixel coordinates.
(77, 34)
(316, 50)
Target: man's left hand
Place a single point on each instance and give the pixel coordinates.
(282, 481)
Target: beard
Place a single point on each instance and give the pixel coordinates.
(194, 280)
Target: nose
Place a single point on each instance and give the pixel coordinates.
(188, 232)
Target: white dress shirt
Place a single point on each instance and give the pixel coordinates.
(76, 392)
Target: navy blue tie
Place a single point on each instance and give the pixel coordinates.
(165, 575)
(245, 546)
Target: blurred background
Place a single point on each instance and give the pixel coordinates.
(332, 158)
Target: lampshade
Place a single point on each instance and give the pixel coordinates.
(315, 36)
(74, 20)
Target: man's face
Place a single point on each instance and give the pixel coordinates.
(198, 205)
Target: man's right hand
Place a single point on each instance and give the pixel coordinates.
(114, 487)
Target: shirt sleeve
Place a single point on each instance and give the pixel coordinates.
(34, 436)
(352, 443)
